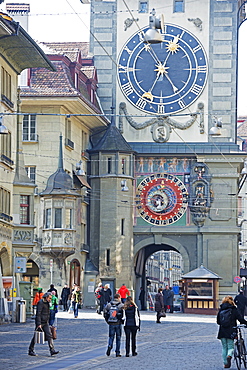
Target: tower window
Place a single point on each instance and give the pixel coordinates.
(108, 257)
(123, 166)
(143, 6)
(109, 165)
(122, 226)
(178, 6)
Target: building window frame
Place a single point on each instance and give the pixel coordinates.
(31, 173)
(6, 149)
(6, 91)
(58, 218)
(48, 218)
(29, 128)
(24, 209)
(68, 218)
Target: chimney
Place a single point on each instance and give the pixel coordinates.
(19, 12)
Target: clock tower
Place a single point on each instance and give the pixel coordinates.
(171, 71)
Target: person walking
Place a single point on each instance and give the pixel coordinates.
(65, 297)
(53, 308)
(52, 288)
(124, 292)
(113, 314)
(42, 322)
(166, 294)
(159, 305)
(131, 317)
(241, 302)
(227, 320)
(171, 299)
(39, 294)
(76, 300)
(142, 298)
(97, 297)
(107, 294)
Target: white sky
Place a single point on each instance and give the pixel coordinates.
(69, 20)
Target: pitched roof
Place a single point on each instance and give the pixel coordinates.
(57, 83)
(44, 83)
(110, 139)
(60, 182)
(69, 49)
(88, 71)
(201, 273)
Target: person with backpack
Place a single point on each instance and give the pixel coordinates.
(113, 314)
(227, 320)
(132, 322)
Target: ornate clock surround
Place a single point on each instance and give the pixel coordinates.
(161, 199)
(163, 78)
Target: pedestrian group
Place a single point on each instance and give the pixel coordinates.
(122, 310)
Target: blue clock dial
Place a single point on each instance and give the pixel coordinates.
(163, 78)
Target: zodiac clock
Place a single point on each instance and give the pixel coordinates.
(161, 199)
(163, 78)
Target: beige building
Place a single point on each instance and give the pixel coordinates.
(23, 54)
(60, 109)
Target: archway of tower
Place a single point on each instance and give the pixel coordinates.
(158, 265)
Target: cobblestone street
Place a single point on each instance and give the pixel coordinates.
(180, 342)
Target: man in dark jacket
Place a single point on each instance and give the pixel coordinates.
(65, 296)
(166, 294)
(241, 302)
(52, 288)
(42, 323)
(114, 326)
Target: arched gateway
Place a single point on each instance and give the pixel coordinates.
(145, 248)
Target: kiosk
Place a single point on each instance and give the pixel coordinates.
(201, 288)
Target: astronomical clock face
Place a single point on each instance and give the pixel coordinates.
(166, 77)
(161, 199)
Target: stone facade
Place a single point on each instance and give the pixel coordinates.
(207, 233)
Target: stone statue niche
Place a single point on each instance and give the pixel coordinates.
(200, 195)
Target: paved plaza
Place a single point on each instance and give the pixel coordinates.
(180, 342)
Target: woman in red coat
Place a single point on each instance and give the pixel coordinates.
(124, 292)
